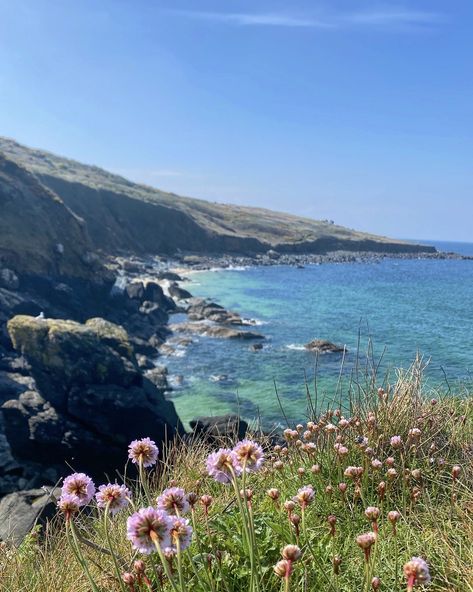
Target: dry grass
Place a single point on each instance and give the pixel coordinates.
(436, 522)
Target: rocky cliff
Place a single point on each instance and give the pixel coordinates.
(121, 215)
(81, 399)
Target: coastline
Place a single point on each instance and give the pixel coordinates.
(186, 264)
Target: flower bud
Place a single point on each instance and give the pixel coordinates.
(376, 583)
(273, 493)
(283, 568)
(128, 578)
(289, 506)
(206, 500)
(291, 552)
(192, 498)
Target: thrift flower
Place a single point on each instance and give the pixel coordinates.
(304, 496)
(291, 552)
(417, 572)
(79, 485)
(147, 526)
(69, 504)
(114, 496)
(181, 532)
(283, 568)
(221, 465)
(366, 541)
(173, 501)
(144, 451)
(250, 455)
(396, 441)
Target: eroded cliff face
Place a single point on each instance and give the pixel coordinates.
(124, 216)
(39, 234)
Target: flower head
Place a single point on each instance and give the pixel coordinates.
(305, 496)
(372, 513)
(181, 533)
(396, 441)
(365, 542)
(173, 501)
(393, 516)
(221, 465)
(79, 485)
(143, 451)
(146, 526)
(250, 455)
(283, 568)
(353, 472)
(69, 504)
(417, 572)
(113, 496)
(291, 552)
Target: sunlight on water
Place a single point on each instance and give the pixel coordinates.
(404, 306)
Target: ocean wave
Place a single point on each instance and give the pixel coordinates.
(295, 346)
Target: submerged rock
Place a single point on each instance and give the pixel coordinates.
(219, 426)
(323, 346)
(214, 330)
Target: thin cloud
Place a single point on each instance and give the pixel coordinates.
(400, 17)
(368, 19)
(255, 19)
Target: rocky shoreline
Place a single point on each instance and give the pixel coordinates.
(188, 263)
(80, 367)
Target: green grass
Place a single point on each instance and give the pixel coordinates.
(436, 512)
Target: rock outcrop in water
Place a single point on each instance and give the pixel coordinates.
(323, 346)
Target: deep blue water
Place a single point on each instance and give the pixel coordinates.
(400, 306)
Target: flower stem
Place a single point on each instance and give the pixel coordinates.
(78, 553)
(164, 562)
(109, 543)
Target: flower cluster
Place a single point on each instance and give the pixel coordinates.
(77, 491)
(224, 464)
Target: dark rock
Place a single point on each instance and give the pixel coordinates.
(22, 510)
(135, 290)
(218, 331)
(218, 427)
(9, 279)
(169, 275)
(91, 396)
(272, 254)
(323, 346)
(256, 347)
(177, 292)
(158, 376)
(154, 312)
(200, 309)
(154, 293)
(65, 354)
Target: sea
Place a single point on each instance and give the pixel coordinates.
(387, 314)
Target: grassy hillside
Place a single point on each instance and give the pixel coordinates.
(359, 490)
(125, 215)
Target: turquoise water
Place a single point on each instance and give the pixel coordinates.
(402, 307)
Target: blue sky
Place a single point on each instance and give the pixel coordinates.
(357, 111)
